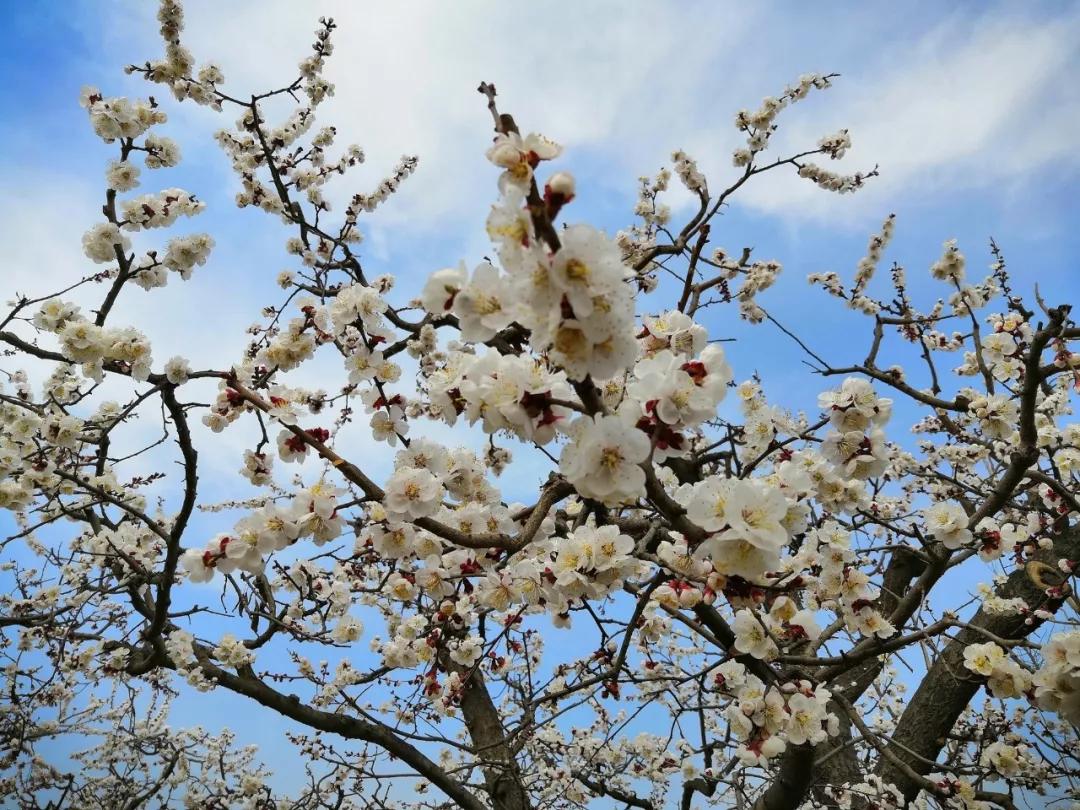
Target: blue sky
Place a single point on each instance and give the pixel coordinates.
(971, 110)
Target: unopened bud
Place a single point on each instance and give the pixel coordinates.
(562, 183)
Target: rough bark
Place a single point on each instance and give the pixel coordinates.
(948, 686)
(501, 773)
(792, 780)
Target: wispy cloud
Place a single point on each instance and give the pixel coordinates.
(591, 75)
(963, 106)
(950, 102)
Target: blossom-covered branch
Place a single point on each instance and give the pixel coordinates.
(613, 585)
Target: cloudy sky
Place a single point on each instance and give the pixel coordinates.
(971, 110)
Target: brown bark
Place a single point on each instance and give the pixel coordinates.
(948, 687)
(501, 773)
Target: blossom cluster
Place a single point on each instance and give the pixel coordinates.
(91, 346)
(312, 513)
(1005, 677)
(766, 719)
(1057, 682)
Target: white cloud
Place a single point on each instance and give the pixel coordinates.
(41, 231)
(201, 319)
(589, 75)
(34, 258)
(967, 101)
(966, 106)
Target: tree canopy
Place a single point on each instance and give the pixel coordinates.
(707, 599)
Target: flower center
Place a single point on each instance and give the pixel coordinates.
(610, 458)
(577, 270)
(487, 304)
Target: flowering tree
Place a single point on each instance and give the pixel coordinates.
(764, 606)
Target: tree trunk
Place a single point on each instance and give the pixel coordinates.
(948, 687)
(501, 773)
